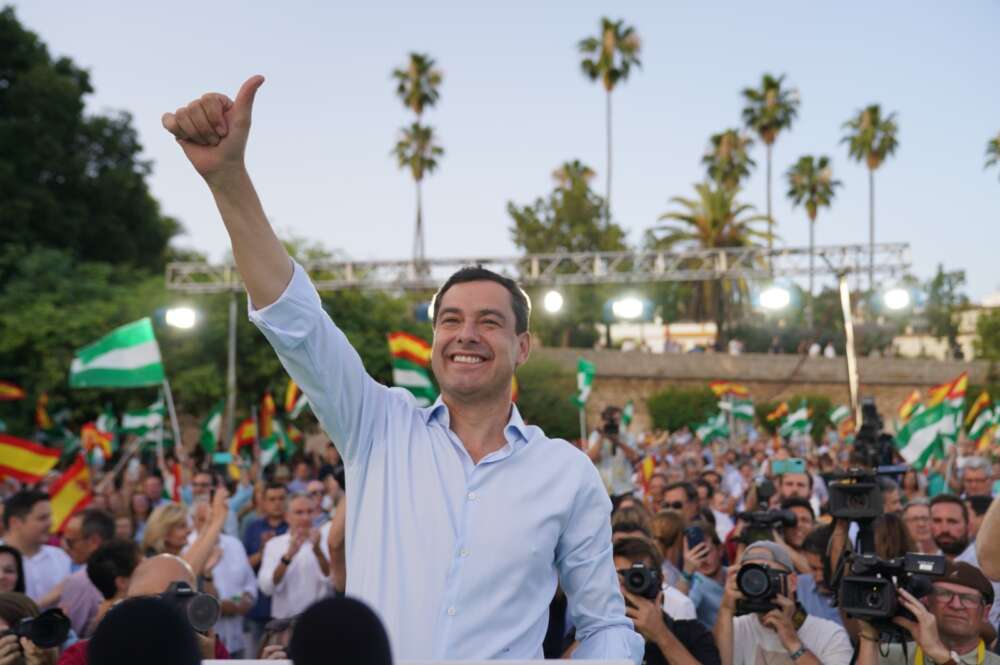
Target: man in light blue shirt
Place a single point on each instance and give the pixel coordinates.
(462, 518)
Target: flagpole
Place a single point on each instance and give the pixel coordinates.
(174, 426)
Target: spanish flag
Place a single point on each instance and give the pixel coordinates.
(70, 494)
(26, 461)
(91, 437)
(244, 435)
(42, 420)
(906, 409)
(981, 403)
(409, 347)
(721, 388)
(778, 413)
(291, 396)
(266, 416)
(10, 392)
(952, 390)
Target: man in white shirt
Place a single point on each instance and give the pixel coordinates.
(234, 581)
(295, 569)
(27, 519)
(614, 453)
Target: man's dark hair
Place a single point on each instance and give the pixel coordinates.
(639, 550)
(97, 522)
(275, 485)
(21, 504)
(798, 502)
(689, 489)
(117, 557)
(147, 630)
(519, 301)
(951, 498)
(710, 491)
(343, 628)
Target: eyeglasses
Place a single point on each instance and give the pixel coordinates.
(675, 505)
(966, 600)
(917, 518)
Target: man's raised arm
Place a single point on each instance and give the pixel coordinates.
(213, 130)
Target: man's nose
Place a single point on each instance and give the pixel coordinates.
(468, 331)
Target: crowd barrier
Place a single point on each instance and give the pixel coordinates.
(427, 662)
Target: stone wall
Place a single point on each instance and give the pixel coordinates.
(634, 375)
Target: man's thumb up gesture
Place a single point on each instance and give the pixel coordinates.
(213, 129)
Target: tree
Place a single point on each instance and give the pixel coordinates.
(727, 161)
(872, 138)
(993, 152)
(417, 150)
(417, 87)
(811, 185)
(714, 219)
(611, 56)
(673, 408)
(70, 180)
(944, 299)
(987, 342)
(770, 109)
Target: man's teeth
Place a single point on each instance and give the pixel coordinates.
(467, 359)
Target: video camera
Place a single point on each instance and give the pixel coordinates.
(759, 585)
(47, 630)
(869, 590)
(760, 524)
(643, 581)
(201, 609)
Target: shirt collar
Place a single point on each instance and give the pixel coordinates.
(516, 432)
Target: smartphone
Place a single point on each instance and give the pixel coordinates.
(780, 467)
(695, 536)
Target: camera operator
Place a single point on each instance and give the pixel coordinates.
(677, 642)
(614, 454)
(947, 631)
(785, 634)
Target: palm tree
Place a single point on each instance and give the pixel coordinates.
(811, 184)
(871, 138)
(611, 56)
(769, 110)
(416, 150)
(417, 86)
(714, 219)
(570, 173)
(726, 160)
(993, 152)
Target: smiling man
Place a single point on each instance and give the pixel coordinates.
(462, 518)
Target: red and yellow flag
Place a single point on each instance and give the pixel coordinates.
(981, 403)
(26, 461)
(409, 347)
(42, 420)
(780, 412)
(952, 390)
(91, 437)
(244, 435)
(10, 392)
(721, 388)
(70, 494)
(291, 396)
(266, 416)
(907, 407)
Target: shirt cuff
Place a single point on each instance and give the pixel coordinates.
(612, 643)
(292, 315)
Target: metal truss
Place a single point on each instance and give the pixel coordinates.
(738, 263)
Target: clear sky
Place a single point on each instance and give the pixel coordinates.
(514, 106)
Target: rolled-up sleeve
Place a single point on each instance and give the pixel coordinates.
(268, 563)
(318, 356)
(587, 574)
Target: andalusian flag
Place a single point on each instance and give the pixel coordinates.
(93, 438)
(721, 388)
(295, 401)
(714, 428)
(628, 413)
(411, 359)
(70, 494)
(985, 421)
(9, 391)
(907, 407)
(742, 408)
(797, 421)
(127, 357)
(779, 412)
(26, 461)
(930, 430)
(211, 428)
(982, 402)
(144, 423)
(840, 414)
(585, 371)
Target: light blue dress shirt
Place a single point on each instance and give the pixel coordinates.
(460, 560)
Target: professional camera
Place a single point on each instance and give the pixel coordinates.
(760, 524)
(48, 629)
(765, 490)
(201, 609)
(868, 591)
(759, 585)
(642, 581)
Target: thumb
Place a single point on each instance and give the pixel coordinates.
(245, 97)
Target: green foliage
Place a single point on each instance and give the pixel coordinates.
(545, 390)
(727, 162)
(987, 341)
(417, 150)
(674, 408)
(417, 83)
(993, 152)
(819, 412)
(811, 184)
(67, 180)
(870, 136)
(611, 54)
(771, 108)
(944, 298)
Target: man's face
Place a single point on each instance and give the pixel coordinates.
(475, 346)
(804, 523)
(302, 471)
(78, 547)
(36, 525)
(794, 484)
(918, 522)
(975, 482)
(958, 609)
(300, 514)
(677, 496)
(891, 503)
(656, 487)
(201, 484)
(274, 502)
(154, 488)
(712, 479)
(949, 529)
(815, 562)
(314, 490)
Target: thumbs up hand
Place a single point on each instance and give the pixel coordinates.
(213, 129)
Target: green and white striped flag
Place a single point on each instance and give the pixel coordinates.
(927, 433)
(840, 414)
(414, 378)
(796, 421)
(742, 408)
(628, 413)
(211, 427)
(145, 423)
(585, 371)
(986, 419)
(128, 357)
(714, 428)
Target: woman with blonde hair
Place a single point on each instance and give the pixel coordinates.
(168, 528)
(668, 528)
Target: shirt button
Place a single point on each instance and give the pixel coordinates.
(464, 552)
(472, 496)
(451, 611)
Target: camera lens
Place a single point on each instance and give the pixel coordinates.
(203, 612)
(753, 582)
(873, 600)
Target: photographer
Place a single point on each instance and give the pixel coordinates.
(613, 453)
(14, 650)
(785, 633)
(677, 642)
(947, 631)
